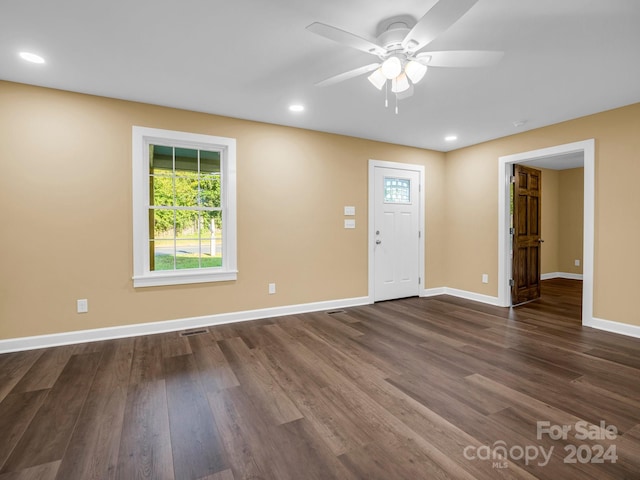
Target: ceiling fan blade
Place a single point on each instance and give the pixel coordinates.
(441, 16)
(346, 38)
(347, 75)
(460, 58)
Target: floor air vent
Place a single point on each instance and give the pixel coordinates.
(190, 333)
(333, 312)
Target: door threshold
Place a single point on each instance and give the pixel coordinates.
(524, 303)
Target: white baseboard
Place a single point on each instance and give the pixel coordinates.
(614, 327)
(569, 276)
(82, 336)
(432, 292)
(477, 297)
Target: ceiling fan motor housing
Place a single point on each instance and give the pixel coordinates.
(392, 38)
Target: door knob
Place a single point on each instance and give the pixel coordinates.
(378, 242)
(540, 240)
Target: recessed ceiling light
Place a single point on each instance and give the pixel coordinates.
(31, 57)
(450, 138)
(296, 108)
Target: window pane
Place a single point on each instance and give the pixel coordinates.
(210, 187)
(187, 240)
(162, 188)
(209, 162)
(163, 255)
(186, 160)
(187, 254)
(161, 246)
(160, 158)
(397, 190)
(186, 191)
(162, 223)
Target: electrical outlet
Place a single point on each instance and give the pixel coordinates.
(272, 288)
(82, 305)
(485, 278)
(576, 263)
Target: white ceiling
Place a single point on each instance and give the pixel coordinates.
(558, 162)
(252, 58)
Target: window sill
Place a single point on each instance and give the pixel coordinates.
(156, 279)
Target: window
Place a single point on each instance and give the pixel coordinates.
(397, 190)
(184, 208)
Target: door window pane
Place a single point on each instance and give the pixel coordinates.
(397, 190)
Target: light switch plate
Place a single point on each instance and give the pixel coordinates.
(82, 305)
(350, 210)
(349, 223)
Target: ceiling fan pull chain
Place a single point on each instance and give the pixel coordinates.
(386, 94)
(396, 104)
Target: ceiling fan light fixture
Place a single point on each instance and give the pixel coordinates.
(391, 67)
(415, 71)
(377, 78)
(400, 84)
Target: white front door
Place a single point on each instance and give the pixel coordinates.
(396, 233)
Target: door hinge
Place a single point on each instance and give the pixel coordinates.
(419, 280)
(512, 179)
(511, 282)
(512, 231)
(419, 234)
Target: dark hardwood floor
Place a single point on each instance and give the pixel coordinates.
(420, 388)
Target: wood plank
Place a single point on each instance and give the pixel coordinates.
(296, 371)
(147, 359)
(13, 366)
(48, 434)
(46, 370)
(145, 446)
(215, 372)
(195, 441)
(16, 412)
(174, 345)
(92, 452)
(224, 475)
(47, 471)
(243, 431)
(258, 383)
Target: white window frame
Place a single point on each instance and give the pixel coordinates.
(142, 275)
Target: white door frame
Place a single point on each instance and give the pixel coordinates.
(421, 215)
(587, 147)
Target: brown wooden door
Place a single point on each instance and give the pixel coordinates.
(526, 234)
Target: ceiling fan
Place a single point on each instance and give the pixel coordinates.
(398, 48)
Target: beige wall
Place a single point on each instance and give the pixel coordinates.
(550, 221)
(65, 204)
(562, 220)
(472, 194)
(571, 219)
